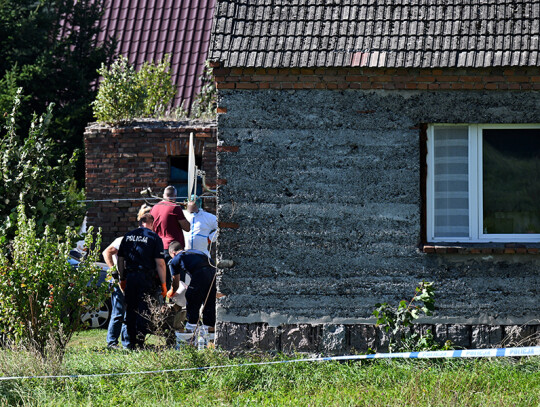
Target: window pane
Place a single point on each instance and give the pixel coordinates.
(178, 174)
(451, 178)
(511, 180)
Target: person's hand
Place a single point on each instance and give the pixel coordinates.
(163, 290)
(123, 284)
(170, 293)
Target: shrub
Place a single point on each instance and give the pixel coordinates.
(125, 94)
(41, 295)
(32, 172)
(157, 81)
(120, 96)
(397, 321)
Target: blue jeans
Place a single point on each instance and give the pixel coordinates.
(116, 324)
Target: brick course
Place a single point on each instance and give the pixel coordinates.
(378, 78)
(481, 249)
(122, 161)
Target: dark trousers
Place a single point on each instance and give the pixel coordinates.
(201, 287)
(140, 286)
(168, 277)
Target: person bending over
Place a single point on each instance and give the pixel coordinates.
(202, 287)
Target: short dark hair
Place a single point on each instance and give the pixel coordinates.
(146, 218)
(169, 192)
(175, 246)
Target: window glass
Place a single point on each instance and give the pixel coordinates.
(451, 182)
(178, 175)
(511, 181)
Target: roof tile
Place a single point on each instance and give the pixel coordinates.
(434, 33)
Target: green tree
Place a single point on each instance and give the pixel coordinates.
(32, 173)
(120, 97)
(50, 49)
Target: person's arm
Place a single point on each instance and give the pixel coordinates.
(176, 268)
(182, 221)
(175, 283)
(175, 280)
(160, 266)
(213, 225)
(184, 224)
(108, 254)
(122, 274)
(121, 268)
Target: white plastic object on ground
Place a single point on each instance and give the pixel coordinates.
(179, 297)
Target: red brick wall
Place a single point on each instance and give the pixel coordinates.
(121, 162)
(501, 78)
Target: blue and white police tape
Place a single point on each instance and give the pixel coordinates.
(466, 353)
(448, 354)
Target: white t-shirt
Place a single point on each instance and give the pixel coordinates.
(116, 244)
(203, 227)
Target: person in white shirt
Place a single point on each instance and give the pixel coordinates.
(203, 227)
(116, 328)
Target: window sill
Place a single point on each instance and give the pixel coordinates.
(481, 248)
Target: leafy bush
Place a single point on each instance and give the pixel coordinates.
(160, 90)
(397, 321)
(120, 96)
(42, 296)
(31, 172)
(125, 94)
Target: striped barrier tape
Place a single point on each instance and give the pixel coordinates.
(467, 353)
(470, 353)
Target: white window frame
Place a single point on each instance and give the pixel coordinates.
(476, 215)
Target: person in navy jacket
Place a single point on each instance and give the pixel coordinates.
(141, 270)
(202, 286)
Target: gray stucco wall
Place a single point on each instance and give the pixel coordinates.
(326, 191)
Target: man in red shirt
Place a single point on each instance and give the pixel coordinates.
(169, 221)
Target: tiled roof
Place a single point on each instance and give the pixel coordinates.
(146, 30)
(376, 33)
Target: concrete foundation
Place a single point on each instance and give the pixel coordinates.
(329, 339)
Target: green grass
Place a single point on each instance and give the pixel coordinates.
(475, 382)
